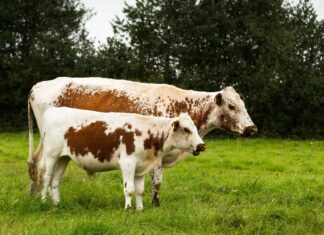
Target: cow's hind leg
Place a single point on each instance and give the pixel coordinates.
(58, 173)
(139, 190)
(156, 181)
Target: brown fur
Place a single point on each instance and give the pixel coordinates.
(101, 101)
(154, 142)
(227, 122)
(92, 138)
(119, 101)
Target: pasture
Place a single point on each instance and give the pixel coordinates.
(237, 186)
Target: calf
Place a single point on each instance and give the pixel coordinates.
(107, 141)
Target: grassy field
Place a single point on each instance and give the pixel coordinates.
(239, 186)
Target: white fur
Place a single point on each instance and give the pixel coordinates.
(57, 121)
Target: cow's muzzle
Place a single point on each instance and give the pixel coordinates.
(250, 130)
(199, 148)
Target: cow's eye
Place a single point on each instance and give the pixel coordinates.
(231, 107)
(187, 130)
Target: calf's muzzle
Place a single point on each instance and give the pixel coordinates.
(200, 147)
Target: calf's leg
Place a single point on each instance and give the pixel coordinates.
(127, 167)
(156, 181)
(58, 173)
(139, 190)
(47, 178)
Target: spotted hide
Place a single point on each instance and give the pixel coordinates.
(98, 141)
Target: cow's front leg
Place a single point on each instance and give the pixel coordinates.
(128, 170)
(156, 181)
(139, 190)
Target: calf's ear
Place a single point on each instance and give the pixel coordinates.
(175, 125)
(219, 99)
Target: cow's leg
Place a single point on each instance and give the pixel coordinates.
(139, 190)
(127, 166)
(156, 181)
(58, 173)
(48, 174)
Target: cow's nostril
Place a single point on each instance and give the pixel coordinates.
(201, 147)
(250, 130)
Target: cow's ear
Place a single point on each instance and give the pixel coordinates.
(219, 99)
(175, 125)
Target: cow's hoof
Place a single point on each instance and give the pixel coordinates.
(128, 208)
(156, 202)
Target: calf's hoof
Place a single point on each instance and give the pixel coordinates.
(139, 209)
(128, 208)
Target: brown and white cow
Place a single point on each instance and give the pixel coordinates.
(209, 110)
(98, 141)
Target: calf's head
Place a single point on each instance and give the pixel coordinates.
(230, 113)
(184, 135)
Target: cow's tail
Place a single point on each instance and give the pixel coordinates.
(32, 159)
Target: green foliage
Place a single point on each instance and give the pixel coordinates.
(242, 186)
(39, 40)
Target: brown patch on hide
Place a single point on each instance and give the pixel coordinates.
(154, 141)
(104, 101)
(128, 125)
(227, 122)
(92, 138)
(138, 132)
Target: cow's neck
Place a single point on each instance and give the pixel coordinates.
(200, 109)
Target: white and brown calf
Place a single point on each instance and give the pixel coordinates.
(108, 141)
(223, 109)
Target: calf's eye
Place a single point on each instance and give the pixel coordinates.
(186, 130)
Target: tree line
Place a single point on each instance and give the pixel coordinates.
(269, 50)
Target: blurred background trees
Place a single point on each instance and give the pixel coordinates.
(267, 49)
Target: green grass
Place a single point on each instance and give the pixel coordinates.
(239, 186)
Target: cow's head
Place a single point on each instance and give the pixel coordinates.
(184, 135)
(230, 113)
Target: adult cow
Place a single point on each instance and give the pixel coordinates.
(98, 141)
(209, 110)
